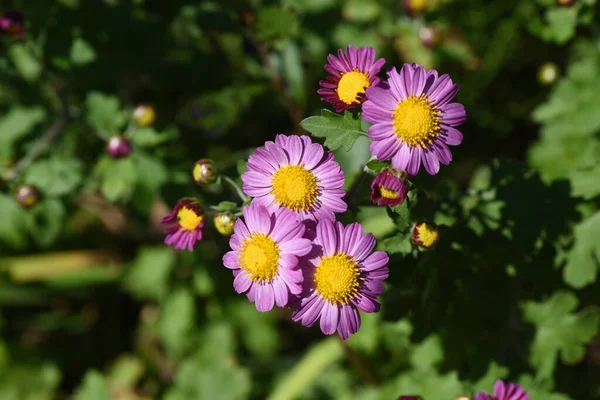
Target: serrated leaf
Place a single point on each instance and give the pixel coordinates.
(585, 182)
(148, 277)
(338, 130)
(559, 331)
(82, 52)
(119, 179)
(427, 354)
(148, 137)
(56, 176)
(399, 243)
(104, 112)
(583, 259)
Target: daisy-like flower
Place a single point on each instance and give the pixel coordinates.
(351, 73)
(413, 120)
(264, 256)
(185, 224)
(296, 174)
(389, 187)
(502, 391)
(342, 275)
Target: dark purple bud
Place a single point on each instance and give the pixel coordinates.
(11, 23)
(204, 171)
(118, 147)
(27, 196)
(410, 398)
(389, 187)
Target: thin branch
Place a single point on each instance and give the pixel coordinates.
(358, 364)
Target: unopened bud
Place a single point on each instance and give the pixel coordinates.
(144, 115)
(410, 398)
(548, 73)
(415, 6)
(27, 196)
(462, 397)
(118, 147)
(565, 3)
(224, 222)
(204, 171)
(11, 23)
(425, 235)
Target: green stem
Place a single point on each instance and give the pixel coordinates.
(238, 190)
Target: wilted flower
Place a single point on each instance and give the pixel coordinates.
(185, 225)
(144, 115)
(264, 256)
(502, 391)
(27, 196)
(351, 73)
(425, 235)
(297, 174)
(118, 147)
(342, 275)
(224, 222)
(413, 119)
(11, 23)
(389, 187)
(204, 171)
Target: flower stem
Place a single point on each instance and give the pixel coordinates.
(238, 190)
(358, 364)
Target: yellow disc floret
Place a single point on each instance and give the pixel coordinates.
(425, 235)
(337, 278)
(294, 187)
(416, 121)
(188, 219)
(388, 194)
(259, 258)
(351, 85)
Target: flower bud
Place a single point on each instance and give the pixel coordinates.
(389, 187)
(429, 36)
(204, 171)
(118, 147)
(410, 398)
(565, 3)
(425, 235)
(548, 73)
(27, 196)
(224, 222)
(462, 397)
(144, 115)
(415, 6)
(11, 23)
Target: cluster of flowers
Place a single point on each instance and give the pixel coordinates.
(288, 250)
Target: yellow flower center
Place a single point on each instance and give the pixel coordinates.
(337, 278)
(351, 85)
(259, 257)
(428, 235)
(294, 187)
(388, 194)
(188, 219)
(418, 5)
(416, 121)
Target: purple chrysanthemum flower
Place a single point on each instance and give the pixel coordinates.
(351, 74)
(413, 119)
(389, 187)
(264, 257)
(185, 225)
(342, 274)
(296, 174)
(502, 391)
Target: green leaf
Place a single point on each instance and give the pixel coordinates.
(426, 384)
(226, 206)
(176, 322)
(583, 258)
(29, 381)
(585, 182)
(148, 277)
(540, 390)
(258, 330)
(104, 112)
(399, 243)
(561, 22)
(375, 220)
(17, 123)
(93, 387)
(559, 330)
(56, 176)
(13, 232)
(151, 175)
(361, 10)
(26, 63)
(293, 72)
(82, 52)
(46, 221)
(338, 131)
(486, 382)
(118, 179)
(310, 6)
(353, 161)
(148, 137)
(376, 165)
(427, 354)
(274, 22)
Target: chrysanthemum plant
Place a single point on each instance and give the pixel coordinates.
(289, 247)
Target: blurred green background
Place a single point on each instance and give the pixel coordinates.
(93, 306)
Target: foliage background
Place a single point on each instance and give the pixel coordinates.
(94, 306)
